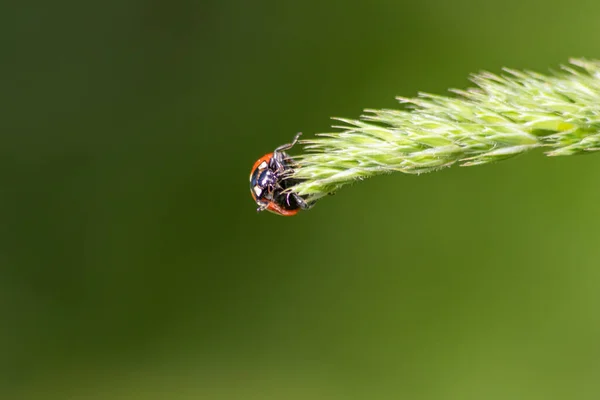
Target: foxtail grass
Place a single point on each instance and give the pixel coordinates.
(502, 116)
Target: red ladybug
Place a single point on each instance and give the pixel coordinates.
(270, 178)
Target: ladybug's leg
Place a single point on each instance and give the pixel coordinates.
(279, 157)
(288, 145)
(299, 200)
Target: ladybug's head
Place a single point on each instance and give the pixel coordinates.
(263, 179)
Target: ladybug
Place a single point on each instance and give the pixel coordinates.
(270, 178)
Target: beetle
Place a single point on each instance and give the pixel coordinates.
(269, 180)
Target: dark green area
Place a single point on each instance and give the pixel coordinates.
(133, 264)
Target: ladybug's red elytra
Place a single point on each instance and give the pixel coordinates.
(270, 178)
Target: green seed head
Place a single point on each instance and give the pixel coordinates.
(503, 116)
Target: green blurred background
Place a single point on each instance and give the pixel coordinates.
(133, 264)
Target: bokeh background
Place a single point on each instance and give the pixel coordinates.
(133, 264)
